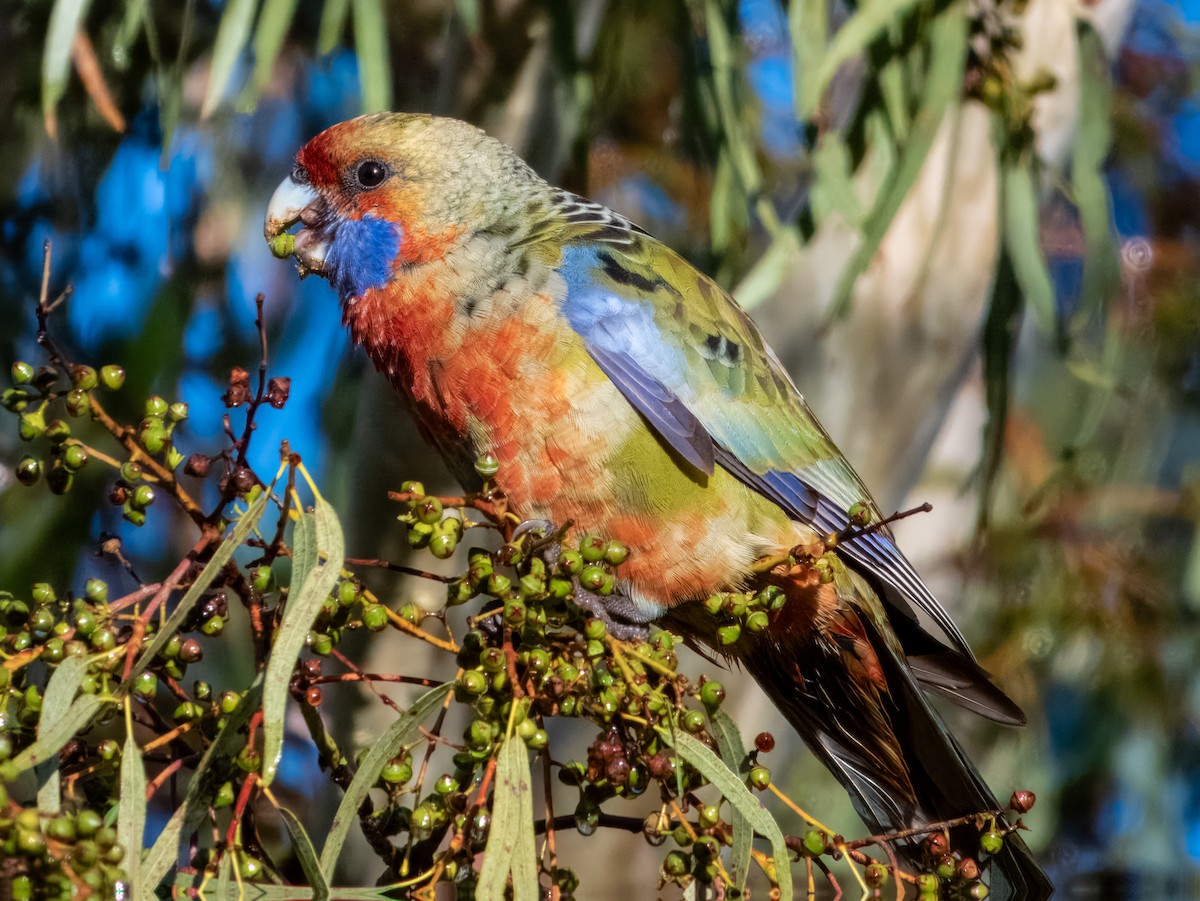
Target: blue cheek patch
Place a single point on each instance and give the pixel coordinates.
(361, 255)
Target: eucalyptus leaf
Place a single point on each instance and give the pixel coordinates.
(511, 850)
(371, 45)
(232, 36)
(131, 814)
(733, 752)
(60, 692)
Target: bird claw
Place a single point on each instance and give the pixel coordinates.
(607, 607)
(544, 536)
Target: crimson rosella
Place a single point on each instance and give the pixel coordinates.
(627, 393)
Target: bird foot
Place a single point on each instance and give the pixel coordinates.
(543, 537)
(616, 611)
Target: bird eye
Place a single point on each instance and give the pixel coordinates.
(371, 173)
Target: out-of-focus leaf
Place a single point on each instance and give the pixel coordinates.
(211, 570)
(232, 36)
(333, 22)
(729, 784)
(65, 20)
(833, 185)
(1000, 329)
(307, 855)
(226, 888)
(1101, 269)
(131, 24)
(1022, 237)
(765, 276)
(948, 42)
(51, 739)
(60, 692)
(469, 12)
(894, 91)
(733, 752)
(510, 846)
(131, 813)
(201, 789)
(808, 26)
(371, 45)
(869, 21)
(273, 24)
(403, 731)
(303, 605)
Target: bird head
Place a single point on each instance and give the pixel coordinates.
(384, 191)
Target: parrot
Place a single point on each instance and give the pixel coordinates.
(625, 392)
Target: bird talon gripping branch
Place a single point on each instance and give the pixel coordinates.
(627, 392)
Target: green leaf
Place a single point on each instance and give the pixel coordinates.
(304, 550)
(733, 752)
(60, 692)
(1093, 137)
(221, 556)
(948, 44)
(371, 45)
(469, 12)
(311, 586)
(201, 790)
(868, 23)
(808, 26)
(132, 23)
(1022, 237)
(729, 784)
(52, 739)
(131, 813)
(232, 36)
(511, 849)
(65, 20)
(307, 855)
(833, 188)
(274, 22)
(333, 21)
(403, 731)
(766, 275)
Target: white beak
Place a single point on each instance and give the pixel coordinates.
(287, 206)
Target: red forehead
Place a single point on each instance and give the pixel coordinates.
(320, 156)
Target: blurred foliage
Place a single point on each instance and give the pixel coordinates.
(144, 139)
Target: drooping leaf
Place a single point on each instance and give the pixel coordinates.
(52, 738)
(729, 784)
(274, 22)
(60, 692)
(311, 585)
(131, 813)
(307, 855)
(1000, 330)
(201, 790)
(403, 731)
(65, 20)
(371, 45)
(233, 34)
(212, 569)
(733, 752)
(333, 22)
(511, 850)
(1022, 237)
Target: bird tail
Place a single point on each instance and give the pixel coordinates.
(849, 693)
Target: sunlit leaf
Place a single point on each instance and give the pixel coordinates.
(311, 585)
(511, 850)
(405, 730)
(66, 18)
(470, 13)
(232, 36)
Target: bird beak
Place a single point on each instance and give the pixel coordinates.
(294, 202)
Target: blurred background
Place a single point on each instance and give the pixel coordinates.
(970, 229)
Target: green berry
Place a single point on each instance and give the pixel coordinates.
(709, 816)
(991, 842)
(96, 591)
(729, 633)
(693, 721)
(591, 548)
(249, 759)
(84, 377)
(142, 497)
(757, 621)
(473, 682)
(712, 694)
(442, 546)
(815, 842)
(375, 617)
(225, 796)
(177, 412)
(487, 466)
(615, 553)
(876, 875)
(759, 777)
(537, 740)
(22, 373)
(88, 823)
(156, 406)
(79, 403)
(570, 562)
(592, 578)
(112, 376)
(677, 864)
(397, 771)
(74, 457)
